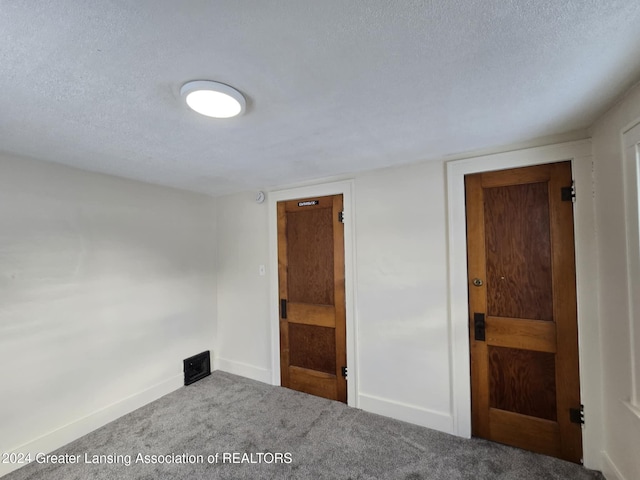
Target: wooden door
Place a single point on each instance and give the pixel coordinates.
(312, 299)
(522, 306)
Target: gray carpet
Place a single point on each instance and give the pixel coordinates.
(320, 439)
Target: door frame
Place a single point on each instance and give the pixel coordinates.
(590, 357)
(346, 188)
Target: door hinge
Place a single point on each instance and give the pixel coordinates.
(568, 194)
(344, 372)
(576, 415)
(341, 216)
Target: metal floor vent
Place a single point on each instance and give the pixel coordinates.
(197, 367)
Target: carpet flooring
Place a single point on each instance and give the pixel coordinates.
(229, 427)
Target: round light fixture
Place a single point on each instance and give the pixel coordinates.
(213, 99)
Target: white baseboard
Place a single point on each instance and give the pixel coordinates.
(243, 369)
(609, 469)
(51, 441)
(408, 413)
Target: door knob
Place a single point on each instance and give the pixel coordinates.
(477, 282)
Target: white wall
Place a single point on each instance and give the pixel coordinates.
(621, 425)
(401, 293)
(401, 258)
(243, 343)
(106, 285)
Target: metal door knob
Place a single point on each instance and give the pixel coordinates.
(477, 282)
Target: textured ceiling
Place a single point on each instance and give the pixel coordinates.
(333, 86)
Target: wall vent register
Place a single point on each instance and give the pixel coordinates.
(197, 367)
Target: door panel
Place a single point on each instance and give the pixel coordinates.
(518, 251)
(521, 265)
(522, 381)
(311, 286)
(312, 347)
(310, 255)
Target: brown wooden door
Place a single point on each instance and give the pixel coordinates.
(521, 266)
(312, 301)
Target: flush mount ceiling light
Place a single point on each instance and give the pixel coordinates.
(213, 99)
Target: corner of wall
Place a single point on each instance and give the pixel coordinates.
(609, 469)
(68, 433)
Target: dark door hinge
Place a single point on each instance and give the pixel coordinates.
(283, 308)
(576, 415)
(568, 194)
(344, 372)
(341, 217)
